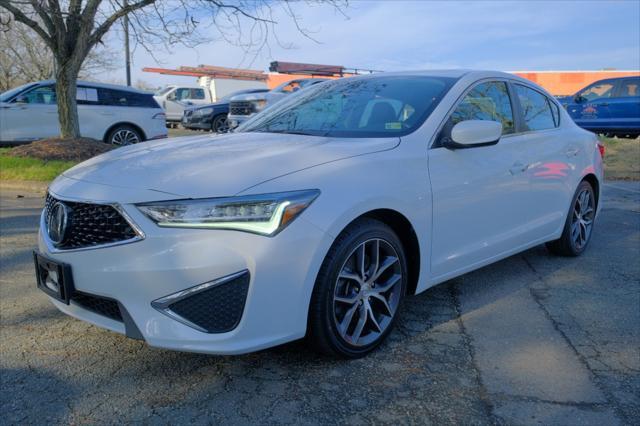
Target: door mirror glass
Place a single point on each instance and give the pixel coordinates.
(21, 99)
(579, 99)
(470, 133)
(171, 96)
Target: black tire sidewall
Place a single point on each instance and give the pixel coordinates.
(217, 119)
(567, 230)
(339, 253)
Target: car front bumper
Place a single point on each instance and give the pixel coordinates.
(281, 271)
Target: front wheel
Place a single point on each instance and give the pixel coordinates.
(579, 224)
(220, 124)
(358, 291)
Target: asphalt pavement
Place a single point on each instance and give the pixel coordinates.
(533, 339)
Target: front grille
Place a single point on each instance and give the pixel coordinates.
(97, 304)
(217, 309)
(91, 225)
(241, 108)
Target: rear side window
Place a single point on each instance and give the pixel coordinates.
(536, 109)
(197, 93)
(113, 97)
(87, 96)
(487, 101)
(629, 88)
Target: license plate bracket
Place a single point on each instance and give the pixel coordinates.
(53, 277)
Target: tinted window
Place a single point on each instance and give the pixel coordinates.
(629, 88)
(355, 107)
(597, 91)
(40, 95)
(197, 94)
(487, 101)
(124, 98)
(536, 110)
(87, 96)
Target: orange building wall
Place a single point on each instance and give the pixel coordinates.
(560, 83)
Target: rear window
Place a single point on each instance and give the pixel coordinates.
(383, 106)
(114, 97)
(536, 109)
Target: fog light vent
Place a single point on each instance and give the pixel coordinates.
(213, 307)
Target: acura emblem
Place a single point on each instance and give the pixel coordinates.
(57, 223)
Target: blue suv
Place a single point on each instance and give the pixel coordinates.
(610, 106)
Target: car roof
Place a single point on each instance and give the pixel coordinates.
(101, 85)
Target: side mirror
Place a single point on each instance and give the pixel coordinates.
(21, 100)
(579, 99)
(473, 133)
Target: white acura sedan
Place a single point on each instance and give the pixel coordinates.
(319, 215)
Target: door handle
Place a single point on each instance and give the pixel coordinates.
(106, 113)
(572, 152)
(518, 167)
(604, 104)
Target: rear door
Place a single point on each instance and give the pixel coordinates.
(481, 198)
(95, 118)
(553, 156)
(624, 106)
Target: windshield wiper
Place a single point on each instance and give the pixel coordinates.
(289, 132)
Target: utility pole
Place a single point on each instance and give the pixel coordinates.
(126, 45)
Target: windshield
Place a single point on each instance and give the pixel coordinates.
(5, 96)
(162, 91)
(384, 106)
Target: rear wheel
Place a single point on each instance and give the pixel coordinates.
(358, 291)
(124, 135)
(579, 224)
(220, 124)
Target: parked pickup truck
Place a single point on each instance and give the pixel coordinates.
(243, 107)
(174, 99)
(610, 106)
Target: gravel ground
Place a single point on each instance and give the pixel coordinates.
(533, 339)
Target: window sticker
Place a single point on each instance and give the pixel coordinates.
(394, 125)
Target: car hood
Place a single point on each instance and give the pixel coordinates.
(222, 165)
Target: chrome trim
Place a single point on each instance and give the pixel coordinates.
(162, 304)
(51, 248)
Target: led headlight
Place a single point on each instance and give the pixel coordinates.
(264, 214)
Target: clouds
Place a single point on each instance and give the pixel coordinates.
(398, 35)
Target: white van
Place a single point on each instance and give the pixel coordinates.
(114, 114)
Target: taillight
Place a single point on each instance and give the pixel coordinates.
(601, 149)
(159, 116)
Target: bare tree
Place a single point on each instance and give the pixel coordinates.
(71, 29)
(24, 57)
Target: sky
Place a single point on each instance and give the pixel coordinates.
(390, 35)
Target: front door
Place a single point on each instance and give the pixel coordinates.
(480, 195)
(32, 115)
(590, 108)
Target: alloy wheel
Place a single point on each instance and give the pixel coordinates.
(367, 292)
(124, 137)
(582, 221)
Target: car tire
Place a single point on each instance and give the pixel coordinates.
(124, 134)
(353, 308)
(220, 124)
(578, 227)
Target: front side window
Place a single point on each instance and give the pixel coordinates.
(182, 93)
(355, 107)
(43, 95)
(536, 109)
(629, 88)
(597, 91)
(486, 101)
